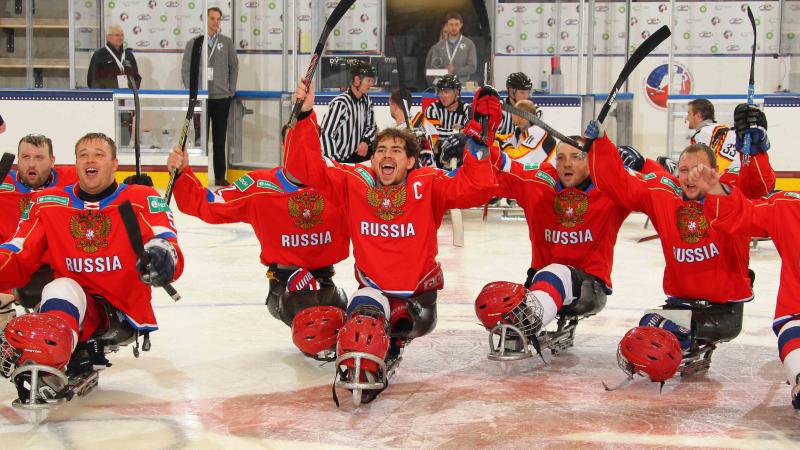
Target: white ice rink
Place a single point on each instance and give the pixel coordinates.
(223, 373)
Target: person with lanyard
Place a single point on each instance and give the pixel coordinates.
(222, 72)
(108, 68)
(456, 52)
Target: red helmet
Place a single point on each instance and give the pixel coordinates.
(314, 329)
(39, 338)
(650, 350)
(365, 334)
(496, 302)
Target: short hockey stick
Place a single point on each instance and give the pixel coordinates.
(135, 237)
(645, 49)
(330, 24)
(532, 118)
(194, 85)
(5, 165)
(751, 86)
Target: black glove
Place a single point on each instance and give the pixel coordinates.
(668, 164)
(453, 147)
(157, 265)
(631, 157)
(750, 120)
(143, 179)
(426, 159)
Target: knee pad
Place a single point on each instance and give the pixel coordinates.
(30, 295)
(315, 329)
(276, 291)
(116, 330)
(592, 300)
(717, 322)
(423, 314)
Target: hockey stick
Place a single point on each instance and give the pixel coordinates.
(330, 24)
(401, 84)
(5, 165)
(751, 87)
(194, 84)
(532, 118)
(137, 110)
(645, 49)
(483, 20)
(135, 237)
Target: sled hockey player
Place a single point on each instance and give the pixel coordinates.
(775, 216)
(100, 297)
(573, 228)
(393, 211)
(700, 315)
(35, 171)
(302, 235)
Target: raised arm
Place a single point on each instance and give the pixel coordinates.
(22, 254)
(610, 176)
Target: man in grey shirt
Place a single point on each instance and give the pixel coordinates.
(455, 52)
(222, 71)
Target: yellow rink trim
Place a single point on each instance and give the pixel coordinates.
(787, 184)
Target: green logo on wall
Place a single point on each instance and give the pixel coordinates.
(363, 46)
(256, 31)
(703, 8)
(271, 6)
(714, 49)
(790, 35)
(605, 36)
(163, 18)
(191, 5)
(336, 32)
(758, 21)
(510, 24)
(687, 35)
(88, 4)
(176, 31)
(621, 9)
(111, 5)
(352, 7)
(243, 19)
(550, 49)
(523, 36)
(539, 10)
(770, 35)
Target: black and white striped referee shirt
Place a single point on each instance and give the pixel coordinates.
(444, 120)
(348, 122)
(506, 127)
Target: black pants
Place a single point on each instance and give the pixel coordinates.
(217, 120)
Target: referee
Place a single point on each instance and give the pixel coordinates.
(448, 112)
(348, 129)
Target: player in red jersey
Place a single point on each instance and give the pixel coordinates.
(573, 228)
(393, 211)
(302, 235)
(101, 292)
(35, 171)
(775, 216)
(699, 314)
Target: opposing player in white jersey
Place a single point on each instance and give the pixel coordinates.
(700, 117)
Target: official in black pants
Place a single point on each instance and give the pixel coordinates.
(217, 120)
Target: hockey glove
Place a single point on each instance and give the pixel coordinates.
(631, 158)
(426, 159)
(594, 130)
(668, 164)
(453, 148)
(750, 120)
(157, 265)
(485, 106)
(143, 179)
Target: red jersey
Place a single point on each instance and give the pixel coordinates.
(572, 226)
(295, 225)
(87, 241)
(393, 228)
(15, 196)
(695, 253)
(777, 216)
